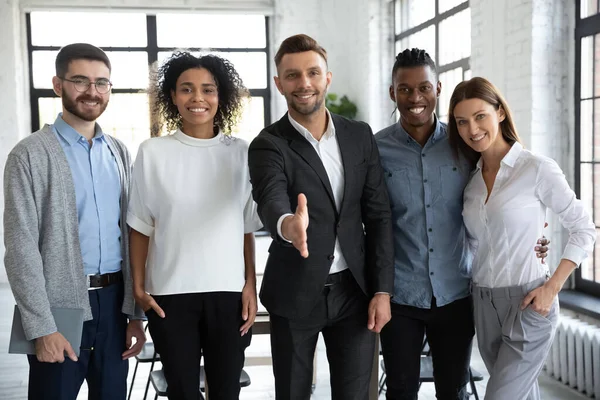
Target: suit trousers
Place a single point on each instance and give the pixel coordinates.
(513, 344)
(341, 314)
(99, 363)
(196, 325)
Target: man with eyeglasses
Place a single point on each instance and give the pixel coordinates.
(66, 192)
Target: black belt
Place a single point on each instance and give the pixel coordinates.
(338, 277)
(99, 281)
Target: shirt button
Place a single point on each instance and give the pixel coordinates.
(431, 250)
(430, 230)
(330, 257)
(424, 180)
(431, 273)
(428, 206)
(339, 225)
(423, 155)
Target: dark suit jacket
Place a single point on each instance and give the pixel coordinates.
(282, 165)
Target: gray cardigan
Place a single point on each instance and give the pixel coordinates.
(41, 234)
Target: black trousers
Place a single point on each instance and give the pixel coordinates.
(195, 325)
(450, 330)
(99, 363)
(341, 315)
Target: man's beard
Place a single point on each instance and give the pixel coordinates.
(71, 106)
(307, 109)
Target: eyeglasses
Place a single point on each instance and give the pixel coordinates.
(82, 84)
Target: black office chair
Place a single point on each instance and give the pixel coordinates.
(426, 374)
(160, 383)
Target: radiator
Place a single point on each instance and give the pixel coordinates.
(574, 358)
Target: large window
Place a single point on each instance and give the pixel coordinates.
(134, 42)
(587, 133)
(443, 29)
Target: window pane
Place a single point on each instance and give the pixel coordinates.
(253, 119)
(127, 117)
(49, 108)
(449, 81)
(53, 28)
(596, 209)
(424, 39)
(210, 30)
(587, 66)
(411, 13)
(467, 75)
(586, 192)
(455, 37)
(252, 67)
(585, 133)
(129, 69)
(588, 8)
(596, 130)
(597, 66)
(446, 5)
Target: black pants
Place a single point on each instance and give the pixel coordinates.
(195, 325)
(341, 315)
(449, 330)
(99, 363)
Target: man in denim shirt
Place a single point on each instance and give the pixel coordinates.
(425, 181)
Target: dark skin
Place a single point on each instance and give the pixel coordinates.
(415, 91)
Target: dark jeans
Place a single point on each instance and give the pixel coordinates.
(449, 330)
(99, 363)
(195, 325)
(341, 315)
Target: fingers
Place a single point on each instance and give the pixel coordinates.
(528, 299)
(133, 350)
(70, 353)
(371, 320)
(302, 204)
(159, 311)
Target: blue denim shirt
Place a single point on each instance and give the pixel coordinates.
(97, 193)
(425, 186)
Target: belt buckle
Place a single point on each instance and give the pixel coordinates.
(88, 283)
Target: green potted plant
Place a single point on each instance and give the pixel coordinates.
(341, 106)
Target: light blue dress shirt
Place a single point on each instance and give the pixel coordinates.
(98, 192)
(425, 186)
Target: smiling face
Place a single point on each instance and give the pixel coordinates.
(303, 80)
(196, 97)
(88, 105)
(478, 123)
(415, 91)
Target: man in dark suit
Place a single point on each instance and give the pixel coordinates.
(330, 269)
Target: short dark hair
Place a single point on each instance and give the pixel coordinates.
(299, 44)
(413, 58)
(230, 88)
(78, 51)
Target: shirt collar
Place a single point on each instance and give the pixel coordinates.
(438, 133)
(69, 134)
(329, 131)
(510, 158)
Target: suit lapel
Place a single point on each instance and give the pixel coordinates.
(304, 149)
(347, 151)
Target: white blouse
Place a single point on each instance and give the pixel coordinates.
(192, 197)
(504, 231)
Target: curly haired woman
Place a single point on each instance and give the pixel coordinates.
(192, 218)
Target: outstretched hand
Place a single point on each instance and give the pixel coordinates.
(294, 226)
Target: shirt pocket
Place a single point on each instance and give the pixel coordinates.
(454, 180)
(398, 184)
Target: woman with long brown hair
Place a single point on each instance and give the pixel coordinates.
(505, 203)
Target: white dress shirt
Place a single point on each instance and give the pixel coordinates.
(505, 230)
(328, 150)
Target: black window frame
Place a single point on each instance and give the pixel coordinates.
(152, 50)
(464, 63)
(584, 27)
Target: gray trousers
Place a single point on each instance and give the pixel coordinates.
(513, 343)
